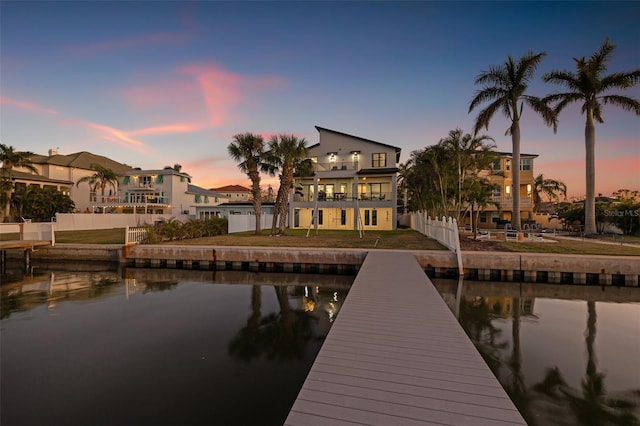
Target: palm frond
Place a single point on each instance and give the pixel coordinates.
(484, 117)
(620, 80)
(487, 94)
(549, 116)
(624, 102)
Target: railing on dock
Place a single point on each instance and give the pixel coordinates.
(444, 231)
(135, 235)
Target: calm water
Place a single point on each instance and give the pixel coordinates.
(160, 346)
(567, 355)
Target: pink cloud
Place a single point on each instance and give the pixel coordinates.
(168, 129)
(141, 40)
(27, 105)
(116, 135)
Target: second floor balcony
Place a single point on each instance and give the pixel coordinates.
(506, 202)
(130, 200)
(342, 197)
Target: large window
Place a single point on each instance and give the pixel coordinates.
(525, 164)
(508, 163)
(379, 159)
(497, 165)
(343, 217)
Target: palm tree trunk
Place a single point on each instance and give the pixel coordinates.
(515, 174)
(257, 202)
(590, 200)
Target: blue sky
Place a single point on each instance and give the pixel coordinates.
(152, 84)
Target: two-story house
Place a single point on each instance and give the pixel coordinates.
(503, 179)
(166, 192)
(62, 172)
(235, 193)
(353, 185)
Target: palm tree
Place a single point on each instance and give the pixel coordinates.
(550, 187)
(504, 86)
(589, 86)
(285, 153)
(10, 159)
(247, 150)
(102, 178)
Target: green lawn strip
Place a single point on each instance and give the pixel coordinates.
(94, 236)
(571, 247)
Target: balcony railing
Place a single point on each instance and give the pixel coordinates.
(506, 201)
(336, 165)
(130, 200)
(140, 185)
(339, 196)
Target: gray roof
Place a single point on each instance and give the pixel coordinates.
(18, 175)
(193, 189)
(80, 160)
(397, 149)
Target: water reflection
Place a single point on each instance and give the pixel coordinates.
(161, 346)
(538, 362)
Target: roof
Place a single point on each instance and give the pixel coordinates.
(397, 149)
(18, 175)
(80, 160)
(193, 189)
(231, 188)
(509, 154)
(167, 171)
(378, 171)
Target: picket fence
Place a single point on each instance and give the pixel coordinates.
(444, 231)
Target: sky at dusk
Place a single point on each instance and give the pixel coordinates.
(152, 84)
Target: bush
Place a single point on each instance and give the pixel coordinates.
(173, 229)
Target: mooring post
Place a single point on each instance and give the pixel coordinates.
(27, 259)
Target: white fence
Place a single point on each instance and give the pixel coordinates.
(135, 235)
(85, 221)
(40, 231)
(247, 222)
(445, 231)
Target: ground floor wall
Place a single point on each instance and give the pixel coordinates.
(374, 218)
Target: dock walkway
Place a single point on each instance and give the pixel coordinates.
(396, 355)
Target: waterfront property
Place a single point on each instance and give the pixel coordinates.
(354, 185)
(396, 355)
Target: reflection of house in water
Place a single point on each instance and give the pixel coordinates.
(503, 306)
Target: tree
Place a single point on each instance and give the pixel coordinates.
(102, 178)
(285, 153)
(10, 159)
(247, 150)
(550, 187)
(590, 87)
(504, 86)
(41, 204)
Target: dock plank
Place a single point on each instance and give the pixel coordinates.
(397, 355)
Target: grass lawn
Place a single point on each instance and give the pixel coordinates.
(404, 239)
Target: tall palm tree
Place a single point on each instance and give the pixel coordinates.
(590, 87)
(102, 178)
(10, 159)
(550, 187)
(505, 86)
(247, 150)
(285, 152)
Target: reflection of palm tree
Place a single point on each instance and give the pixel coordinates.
(590, 405)
(476, 317)
(279, 337)
(516, 387)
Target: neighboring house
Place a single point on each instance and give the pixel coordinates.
(235, 193)
(491, 216)
(353, 185)
(165, 192)
(62, 172)
(232, 208)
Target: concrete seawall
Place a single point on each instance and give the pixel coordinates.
(498, 266)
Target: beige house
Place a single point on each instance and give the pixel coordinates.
(353, 185)
(492, 216)
(62, 172)
(235, 193)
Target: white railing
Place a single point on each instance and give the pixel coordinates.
(444, 231)
(135, 235)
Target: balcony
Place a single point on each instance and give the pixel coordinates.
(336, 165)
(140, 185)
(131, 200)
(506, 203)
(341, 197)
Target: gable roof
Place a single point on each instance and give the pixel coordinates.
(80, 160)
(193, 189)
(397, 149)
(231, 188)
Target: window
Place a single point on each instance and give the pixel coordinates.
(144, 181)
(494, 217)
(497, 192)
(507, 190)
(374, 218)
(367, 219)
(198, 198)
(483, 217)
(497, 165)
(379, 159)
(320, 217)
(92, 197)
(525, 164)
(126, 180)
(343, 217)
(508, 164)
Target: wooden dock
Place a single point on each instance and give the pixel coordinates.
(396, 355)
(23, 244)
